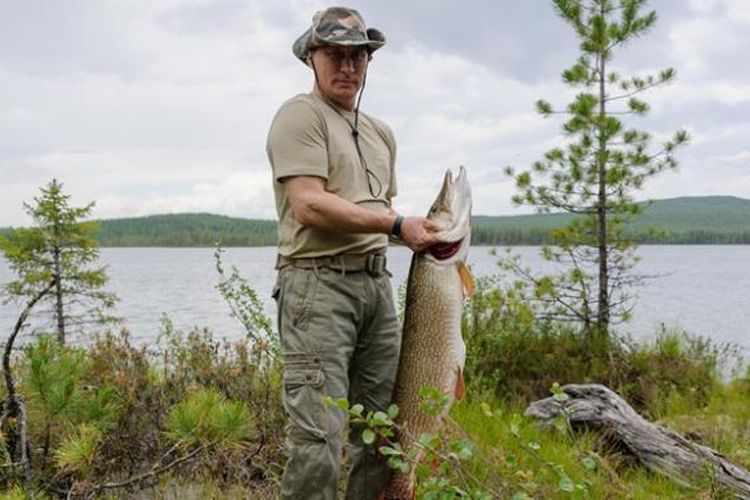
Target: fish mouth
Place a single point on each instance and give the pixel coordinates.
(444, 251)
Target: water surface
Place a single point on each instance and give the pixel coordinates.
(701, 289)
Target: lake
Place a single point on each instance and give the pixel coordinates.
(701, 289)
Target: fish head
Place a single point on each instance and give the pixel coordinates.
(452, 212)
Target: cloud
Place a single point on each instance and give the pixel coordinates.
(236, 195)
(164, 106)
(713, 41)
(740, 159)
(469, 115)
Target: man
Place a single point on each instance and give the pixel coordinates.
(333, 171)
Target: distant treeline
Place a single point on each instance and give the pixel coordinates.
(691, 220)
(485, 233)
(185, 230)
(695, 220)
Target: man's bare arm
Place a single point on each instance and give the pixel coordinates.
(313, 206)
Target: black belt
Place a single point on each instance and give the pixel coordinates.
(373, 262)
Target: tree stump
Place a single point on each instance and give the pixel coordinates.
(660, 449)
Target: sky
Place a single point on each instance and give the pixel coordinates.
(163, 106)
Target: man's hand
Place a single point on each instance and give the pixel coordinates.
(419, 233)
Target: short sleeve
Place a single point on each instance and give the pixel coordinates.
(296, 143)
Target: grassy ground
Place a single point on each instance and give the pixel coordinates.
(513, 457)
(516, 456)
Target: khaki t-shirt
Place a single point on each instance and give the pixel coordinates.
(309, 136)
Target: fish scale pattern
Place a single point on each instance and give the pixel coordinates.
(432, 353)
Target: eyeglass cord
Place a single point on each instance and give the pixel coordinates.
(355, 134)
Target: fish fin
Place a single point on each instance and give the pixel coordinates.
(466, 278)
(460, 390)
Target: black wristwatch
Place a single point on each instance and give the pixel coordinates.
(396, 229)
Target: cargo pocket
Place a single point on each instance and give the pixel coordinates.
(304, 287)
(304, 390)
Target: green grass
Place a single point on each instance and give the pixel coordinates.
(514, 455)
(171, 487)
(533, 459)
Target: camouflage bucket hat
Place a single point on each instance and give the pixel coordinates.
(337, 26)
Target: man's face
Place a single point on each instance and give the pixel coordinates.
(341, 71)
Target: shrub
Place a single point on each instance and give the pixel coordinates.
(515, 356)
(117, 411)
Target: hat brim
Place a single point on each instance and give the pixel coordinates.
(304, 44)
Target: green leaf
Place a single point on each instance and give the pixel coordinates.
(392, 412)
(463, 448)
(589, 463)
(395, 462)
(389, 451)
(566, 484)
(368, 436)
(381, 418)
(559, 394)
(515, 424)
(342, 404)
(429, 440)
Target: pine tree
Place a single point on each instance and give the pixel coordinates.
(59, 249)
(596, 175)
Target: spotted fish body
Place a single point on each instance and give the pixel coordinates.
(432, 350)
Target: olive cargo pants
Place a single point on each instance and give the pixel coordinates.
(339, 338)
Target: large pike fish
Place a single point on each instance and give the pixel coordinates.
(432, 350)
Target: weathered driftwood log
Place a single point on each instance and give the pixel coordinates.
(660, 449)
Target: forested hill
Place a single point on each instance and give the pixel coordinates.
(709, 219)
(686, 220)
(689, 220)
(184, 230)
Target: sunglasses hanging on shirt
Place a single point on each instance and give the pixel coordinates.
(378, 189)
